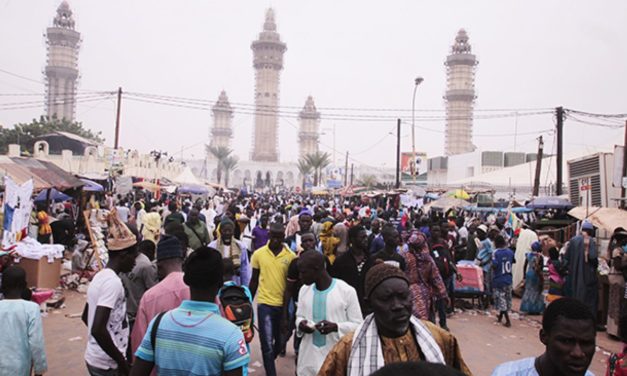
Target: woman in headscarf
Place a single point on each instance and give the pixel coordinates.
(532, 300)
(151, 227)
(425, 282)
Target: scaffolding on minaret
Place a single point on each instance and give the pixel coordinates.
(460, 96)
(63, 43)
(308, 135)
(268, 53)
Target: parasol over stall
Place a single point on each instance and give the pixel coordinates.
(550, 202)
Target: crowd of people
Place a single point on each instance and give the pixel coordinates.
(357, 286)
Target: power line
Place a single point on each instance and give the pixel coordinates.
(22, 77)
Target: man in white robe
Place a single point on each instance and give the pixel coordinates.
(523, 246)
(328, 309)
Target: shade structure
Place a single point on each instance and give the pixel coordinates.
(91, 186)
(446, 203)
(147, 185)
(550, 202)
(194, 189)
(605, 218)
(54, 196)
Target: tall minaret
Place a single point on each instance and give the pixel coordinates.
(268, 53)
(460, 96)
(309, 119)
(222, 130)
(62, 65)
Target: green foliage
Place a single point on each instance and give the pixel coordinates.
(318, 161)
(25, 134)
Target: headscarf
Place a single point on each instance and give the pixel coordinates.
(417, 242)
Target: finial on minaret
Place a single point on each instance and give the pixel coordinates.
(461, 45)
(270, 24)
(223, 103)
(64, 18)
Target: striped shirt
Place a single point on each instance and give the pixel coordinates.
(194, 339)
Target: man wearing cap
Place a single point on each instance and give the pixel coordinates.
(391, 334)
(582, 261)
(165, 295)
(105, 310)
(485, 249)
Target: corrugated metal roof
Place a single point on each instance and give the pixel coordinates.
(53, 175)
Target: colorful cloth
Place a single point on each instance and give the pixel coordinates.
(532, 300)
(425, 282)
(617, 364)
(366, 355)
(44, 225)
(503, 298)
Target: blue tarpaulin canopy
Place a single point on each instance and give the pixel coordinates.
(91, 186)
(194, 189)
(55, 196)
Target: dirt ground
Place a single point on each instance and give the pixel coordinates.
(484, 344)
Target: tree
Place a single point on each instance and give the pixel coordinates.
(305, 169)
(318, 161)
(220, 153)
(368, 181)
(228, 164)
(24, 134)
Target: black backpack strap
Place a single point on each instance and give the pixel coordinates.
(153, 331)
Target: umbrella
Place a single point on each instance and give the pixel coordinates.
(91, 186)
(459, 193)
(549, 202)
(606, 218)
(55, 196)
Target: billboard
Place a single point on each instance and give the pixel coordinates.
(417, 163)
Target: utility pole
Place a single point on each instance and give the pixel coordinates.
(536, 181)
(623, 203)
(559, 114)
(117, 120)
(346, 170)
(352, 176)
(398, 153)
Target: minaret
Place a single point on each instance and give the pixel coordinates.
(62, 65)
(309, 119)
(268, 53)
(222, 130)
(460, 96)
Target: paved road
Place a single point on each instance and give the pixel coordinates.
(484, 344)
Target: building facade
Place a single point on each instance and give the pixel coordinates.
(308, 134)
(268, 53)
(460, 96)
(62, 64)
(222, 129)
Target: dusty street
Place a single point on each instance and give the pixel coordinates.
(483, 344)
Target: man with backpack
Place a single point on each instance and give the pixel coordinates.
(194, 338)
(438, 248)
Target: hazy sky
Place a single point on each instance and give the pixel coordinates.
(346, 54)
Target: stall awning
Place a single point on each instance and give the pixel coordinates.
(55, 176)
(21, 174)
(606, 218)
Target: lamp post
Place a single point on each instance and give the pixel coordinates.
(417, 81)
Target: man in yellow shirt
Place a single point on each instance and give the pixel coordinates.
(270, 264)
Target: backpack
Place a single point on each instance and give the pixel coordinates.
(238, 309)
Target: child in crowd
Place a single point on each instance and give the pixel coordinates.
(502, 282)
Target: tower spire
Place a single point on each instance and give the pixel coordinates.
(460, 96)
(63, 43)
(268, 53)
(308, 134)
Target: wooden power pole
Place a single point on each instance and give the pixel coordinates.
(536, 180)
(398, 153)
(559, 114)
(346, 170)
(117, 120)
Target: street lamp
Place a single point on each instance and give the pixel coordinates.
(417, 81)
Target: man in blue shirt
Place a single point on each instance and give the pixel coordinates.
(194, 338)
(502, 282)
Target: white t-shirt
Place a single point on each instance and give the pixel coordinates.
(106, 290)
(123, 213)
